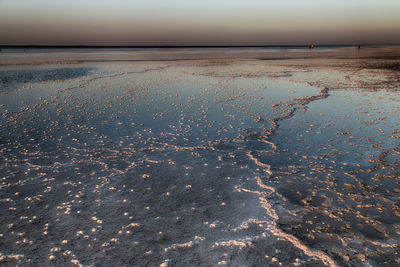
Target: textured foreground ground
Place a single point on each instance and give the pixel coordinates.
(181, 157)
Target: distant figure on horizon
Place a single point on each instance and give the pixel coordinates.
(311, 46)
(359, 46)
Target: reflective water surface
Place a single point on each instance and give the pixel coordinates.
(164, 163)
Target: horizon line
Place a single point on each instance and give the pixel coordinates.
(195, 46)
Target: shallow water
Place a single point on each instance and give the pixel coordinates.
(163, 163)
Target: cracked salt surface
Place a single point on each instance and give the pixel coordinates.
(196, 163)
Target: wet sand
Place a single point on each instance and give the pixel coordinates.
(200, 157)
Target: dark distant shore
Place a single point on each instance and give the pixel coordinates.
(37, 55)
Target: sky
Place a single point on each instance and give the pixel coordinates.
(205, 22)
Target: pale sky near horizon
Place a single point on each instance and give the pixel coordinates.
(206, 22)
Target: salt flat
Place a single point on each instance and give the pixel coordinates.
(282, 157)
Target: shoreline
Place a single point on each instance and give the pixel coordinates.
(207, 54)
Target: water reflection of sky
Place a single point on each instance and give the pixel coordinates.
(182, 160)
